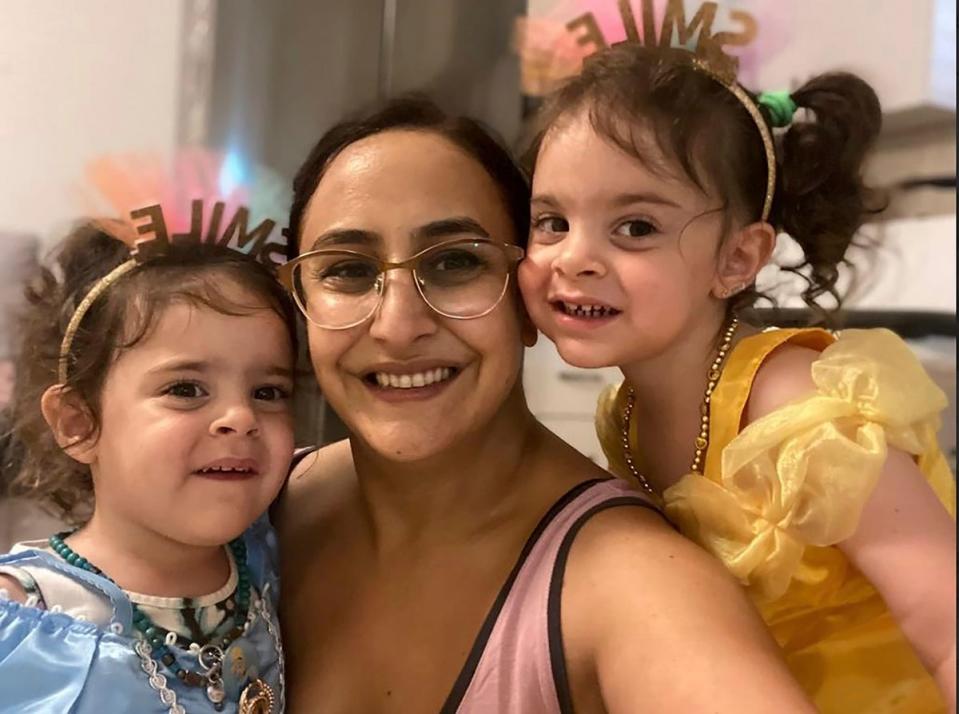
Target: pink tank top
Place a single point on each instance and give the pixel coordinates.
(517, 664)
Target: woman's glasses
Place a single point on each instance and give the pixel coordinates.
(462, 279)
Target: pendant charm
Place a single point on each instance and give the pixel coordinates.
(210, 659)
(240, 665)
(215, 693)
(256, 698)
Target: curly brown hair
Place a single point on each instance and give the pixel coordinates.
(118, 320)
(820, 199)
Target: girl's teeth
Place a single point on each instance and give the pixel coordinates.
(411, 381)
(587, 310)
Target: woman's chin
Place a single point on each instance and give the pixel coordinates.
(408, 445)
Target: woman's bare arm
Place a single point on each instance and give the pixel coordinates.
(665, 626)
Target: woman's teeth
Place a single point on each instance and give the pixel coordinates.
(411, 381)
(588, 310)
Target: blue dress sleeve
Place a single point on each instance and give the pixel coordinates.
(47, 660)
(263, 557)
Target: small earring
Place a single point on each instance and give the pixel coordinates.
(728, 292)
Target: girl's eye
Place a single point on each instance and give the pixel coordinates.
(186, 390)
(271, 394)
(635, 228)
(551, 224)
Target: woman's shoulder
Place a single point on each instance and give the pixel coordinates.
(625, 542)
(318, 483)
(637, 591)
(318, 470)
(630, 547)
(631, 578)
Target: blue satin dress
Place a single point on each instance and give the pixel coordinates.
(54, 663)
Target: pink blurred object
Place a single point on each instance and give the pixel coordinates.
(120, 183)
(6, 382)
(549, 52)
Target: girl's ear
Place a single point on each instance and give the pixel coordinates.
(71, 422)
(741, 257)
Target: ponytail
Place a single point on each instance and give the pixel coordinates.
(821, 200)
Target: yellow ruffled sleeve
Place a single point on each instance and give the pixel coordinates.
(801, 475)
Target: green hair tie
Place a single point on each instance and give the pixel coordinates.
(781, 107)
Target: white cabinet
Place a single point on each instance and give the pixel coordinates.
(905, 48)
(555, 389)
(579, 433)
(564, 397)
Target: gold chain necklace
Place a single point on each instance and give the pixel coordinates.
(702, 441)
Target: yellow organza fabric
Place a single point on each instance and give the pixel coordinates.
(777, 495)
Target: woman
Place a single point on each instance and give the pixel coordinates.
(454, 555)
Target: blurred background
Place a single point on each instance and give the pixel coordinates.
(258, 81)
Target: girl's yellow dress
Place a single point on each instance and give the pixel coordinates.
(776, 496)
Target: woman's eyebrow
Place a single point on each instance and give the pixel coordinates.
(445, 227)
(346, 236)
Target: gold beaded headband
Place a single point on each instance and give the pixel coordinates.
(765, 134)
(98, 289)
(550, 54)
(252, 242)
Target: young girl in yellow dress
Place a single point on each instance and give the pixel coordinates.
(806, 461)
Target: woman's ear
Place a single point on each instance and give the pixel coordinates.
(741, 257)
(71, 422)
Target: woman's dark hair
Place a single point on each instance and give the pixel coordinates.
(820, 199)
(415, 112)
(117, 320)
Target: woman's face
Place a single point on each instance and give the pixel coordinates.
(390, 196)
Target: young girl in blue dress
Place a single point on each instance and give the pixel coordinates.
(153, 404)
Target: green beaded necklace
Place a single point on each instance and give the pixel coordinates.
(153, 634)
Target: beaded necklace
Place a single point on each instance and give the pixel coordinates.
(211, 655)
(702, 441)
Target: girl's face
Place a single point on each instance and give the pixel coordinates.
(409, 382)
(621, 259)
(196, 430)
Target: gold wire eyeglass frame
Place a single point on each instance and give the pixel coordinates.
(285, 274)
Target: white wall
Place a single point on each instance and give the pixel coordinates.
(79, 80)
(911, 267)
(905, 48)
